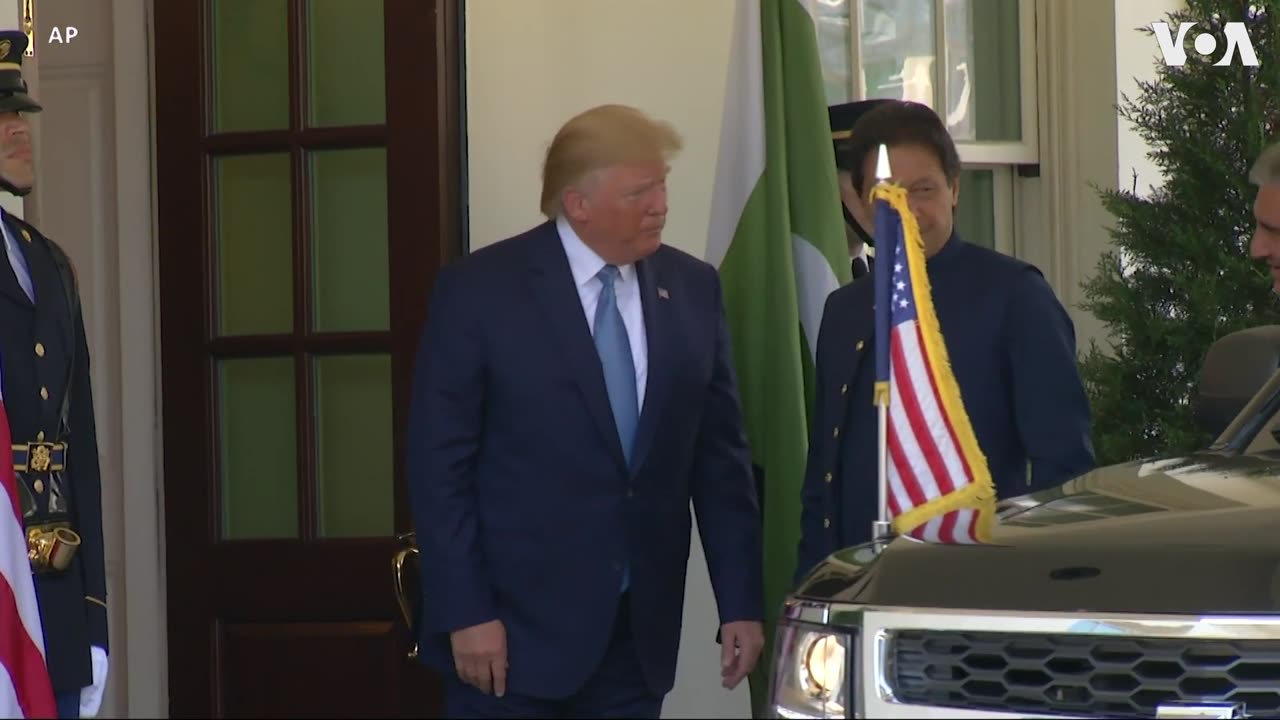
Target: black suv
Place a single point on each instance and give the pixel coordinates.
(1146, 589)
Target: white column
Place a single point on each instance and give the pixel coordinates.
(143, 687)
(1062, 227)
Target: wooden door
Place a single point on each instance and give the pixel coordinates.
(308, 181)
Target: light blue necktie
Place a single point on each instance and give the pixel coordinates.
(19, 263)
(619, 368)
(615, 357)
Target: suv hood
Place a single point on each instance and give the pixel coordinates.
(1195, 534)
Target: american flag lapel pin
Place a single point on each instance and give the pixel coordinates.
(662, 293)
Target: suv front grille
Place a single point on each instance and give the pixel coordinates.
(1081, 674)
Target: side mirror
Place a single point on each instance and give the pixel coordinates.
(405, 576)
(1234, 369)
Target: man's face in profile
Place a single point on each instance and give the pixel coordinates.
(622, 210)
(15, 150)
(1265, 245)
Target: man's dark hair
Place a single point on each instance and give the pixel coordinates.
(899, 123)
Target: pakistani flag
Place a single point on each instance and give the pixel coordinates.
(777, 236)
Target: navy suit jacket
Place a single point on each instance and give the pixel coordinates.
(524, 508)
(1013, 351)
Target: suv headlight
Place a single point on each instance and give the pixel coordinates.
(812, 671)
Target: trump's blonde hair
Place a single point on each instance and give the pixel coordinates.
(599, 138)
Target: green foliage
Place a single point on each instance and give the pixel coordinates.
(1180, 276)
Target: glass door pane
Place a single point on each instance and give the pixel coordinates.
(349, 240)
(250, 64)
(253, 236)
(259, 449)
(354, 487)
(346, 66)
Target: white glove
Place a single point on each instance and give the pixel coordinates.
(91, 697)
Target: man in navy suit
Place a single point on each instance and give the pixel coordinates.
(573, 392)
(1011, 344)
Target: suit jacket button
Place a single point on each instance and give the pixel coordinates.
(844, 389)
(44, 393)
(826, 522)
(835, 432)
(828, 477)
(860, 345)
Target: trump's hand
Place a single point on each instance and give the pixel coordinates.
(740, 645)
(480, 656)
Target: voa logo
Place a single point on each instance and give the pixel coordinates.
(1174, 50)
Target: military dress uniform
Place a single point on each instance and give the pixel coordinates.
(1012, 348)
(44, 377)
(44, 363)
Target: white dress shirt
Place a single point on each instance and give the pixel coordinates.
(585, 265)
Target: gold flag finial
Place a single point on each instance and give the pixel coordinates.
(882, 164)
(29, 26)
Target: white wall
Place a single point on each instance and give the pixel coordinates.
(1136, 56)
(531, 66)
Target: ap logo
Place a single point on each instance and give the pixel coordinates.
(1238, 44)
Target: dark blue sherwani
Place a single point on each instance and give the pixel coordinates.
(1013, 350)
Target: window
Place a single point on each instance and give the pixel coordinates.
(984, 87)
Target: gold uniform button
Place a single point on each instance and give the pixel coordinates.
(828, 477)
(44, 393)
(859, 345)
(844, 389)
(26, 235)
(826, 522)
(39, 486)
(39, 349)
(40, 436)
(835, 433)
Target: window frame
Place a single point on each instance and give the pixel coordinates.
(973, 152)
(1004, 205)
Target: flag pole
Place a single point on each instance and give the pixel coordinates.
(882, 529)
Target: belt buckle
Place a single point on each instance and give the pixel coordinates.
(40, 456)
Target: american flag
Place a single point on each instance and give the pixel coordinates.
(939, 488)
(25, 689)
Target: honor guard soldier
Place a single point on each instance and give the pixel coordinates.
(842, 118)
(44, 375)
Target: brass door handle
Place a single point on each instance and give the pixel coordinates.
(397, 567)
